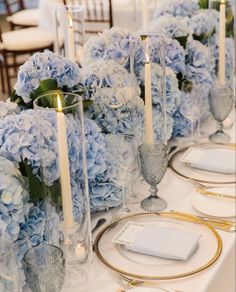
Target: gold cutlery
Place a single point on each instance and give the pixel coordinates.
(219, 195)
(228, 226)
(129, 283)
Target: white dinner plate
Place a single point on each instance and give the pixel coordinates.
(213, 206)
(203, 176)
(117, 258)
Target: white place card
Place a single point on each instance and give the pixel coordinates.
(192, 155)
(128, 233)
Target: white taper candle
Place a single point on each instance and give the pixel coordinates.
(64, 168)
(148, 104)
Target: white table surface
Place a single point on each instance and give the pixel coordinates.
(218, 278)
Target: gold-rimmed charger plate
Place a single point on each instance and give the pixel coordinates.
(203, 176)
(117, 258)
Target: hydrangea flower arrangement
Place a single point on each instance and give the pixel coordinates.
(117, 107)
(8, 108)
(204, 24)
(170, 27)
(176, 8)
(111, 44)
(35, 133)
(14, 206)
(43, 72)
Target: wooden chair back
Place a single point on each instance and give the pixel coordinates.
(13, 6)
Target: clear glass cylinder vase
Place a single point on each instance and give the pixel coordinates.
(69, 31)
(63, 171)
(148, 66)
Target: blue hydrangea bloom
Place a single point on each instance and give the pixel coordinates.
(204, 22)
(14, 198)
(181, 8)
(170, 27)
(8, 108)
(111, 44)
(43, 66)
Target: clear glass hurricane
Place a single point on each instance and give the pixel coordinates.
(220, 102)
(191, 103)
(124, 153)
(154, 161)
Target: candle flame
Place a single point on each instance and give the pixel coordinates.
(70, 20)
(59, 106)
(222, 2)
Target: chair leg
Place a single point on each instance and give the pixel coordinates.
(7, 74)
(2, 76)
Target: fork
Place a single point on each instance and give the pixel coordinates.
(128, 283)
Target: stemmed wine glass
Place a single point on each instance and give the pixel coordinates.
(220, 102)
(191, 103)
(154, 161)
(124, 153)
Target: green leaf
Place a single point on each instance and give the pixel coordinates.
(44, 86)
(86, 104)
(203, 4)
(38, 189)
(50, 100)
(182, 40)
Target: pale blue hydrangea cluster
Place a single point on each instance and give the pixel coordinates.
(182, 125)
(174, 54)
(229, 56)
(31, 136)
(117, 110)
(197, 63)
(204, 23)
(170, 26)
(105, 74)
(111, 44)
(14, 206)
(104, 195)
(117, 107)
(42, 66)
(8, 108)
(181, 8)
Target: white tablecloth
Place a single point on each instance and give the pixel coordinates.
(218, 278)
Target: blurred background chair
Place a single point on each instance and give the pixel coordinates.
(19, 16)
(97, 15)
(17, 45)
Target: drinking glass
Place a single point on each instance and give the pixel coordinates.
(9, 271)
(44, 267)
(20, 247)
(124, 153)
(154, 161)
(192, 100)
(220, 102)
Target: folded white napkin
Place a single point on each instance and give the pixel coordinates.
(165, 242)
(217, 160)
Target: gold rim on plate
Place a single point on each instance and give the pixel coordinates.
(182, 150)
(175, 215)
